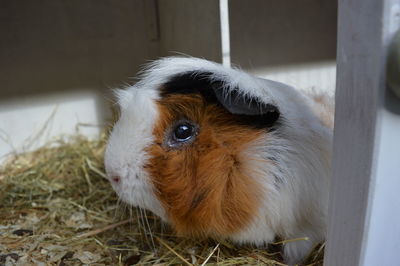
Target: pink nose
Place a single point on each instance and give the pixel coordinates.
(115, 179)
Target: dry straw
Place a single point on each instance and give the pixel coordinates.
(57, 208)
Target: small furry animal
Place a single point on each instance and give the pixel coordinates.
(219, 153)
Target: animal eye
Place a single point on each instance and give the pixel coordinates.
(183, 132)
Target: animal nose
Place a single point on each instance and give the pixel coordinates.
(115, 179)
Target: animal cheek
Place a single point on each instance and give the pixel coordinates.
(204, 148)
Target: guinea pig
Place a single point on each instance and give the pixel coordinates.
(216, 152)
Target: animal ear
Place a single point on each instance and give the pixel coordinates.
(241, 104)
(251, 109)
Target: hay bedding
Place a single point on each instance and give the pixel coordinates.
(57, 208)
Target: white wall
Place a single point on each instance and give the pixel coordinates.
(30, 122)
(60, 59)
(317, 76)
(383, 248)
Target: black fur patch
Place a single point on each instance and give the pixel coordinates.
(200, 83)
(191, 83)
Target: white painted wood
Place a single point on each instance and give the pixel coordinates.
(225, 40)
(360, 207)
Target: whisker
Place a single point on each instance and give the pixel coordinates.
(139, 223)
(117, 209)
(150, 232)
(144, 225)
(131, 216)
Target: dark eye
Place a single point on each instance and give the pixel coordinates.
(183, 132)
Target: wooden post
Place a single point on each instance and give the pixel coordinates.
(225, 40)
(357, 199)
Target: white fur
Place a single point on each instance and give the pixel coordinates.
(295, 186)
(125, 155)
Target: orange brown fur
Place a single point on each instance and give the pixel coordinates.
(204, 186)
